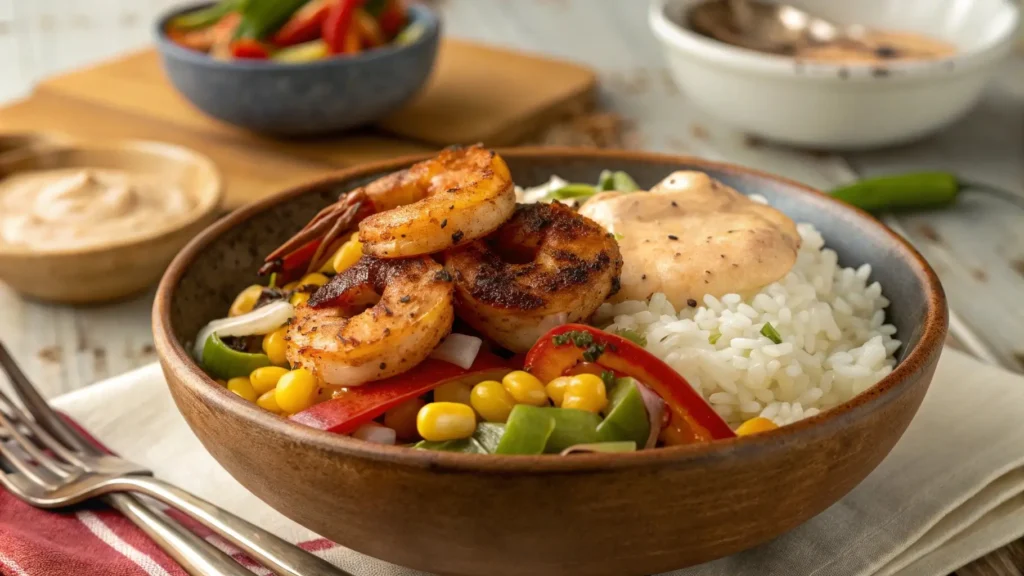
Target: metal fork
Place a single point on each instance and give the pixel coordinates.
(49, 475)
(195, 555)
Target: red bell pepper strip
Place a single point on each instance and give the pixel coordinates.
(563, 348)
(361, 404)
(249, 49)
(305, 25)
(338, 24)
(392, 19)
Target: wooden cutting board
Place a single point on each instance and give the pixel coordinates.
(477, 93)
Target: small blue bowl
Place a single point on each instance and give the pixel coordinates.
(303, 99)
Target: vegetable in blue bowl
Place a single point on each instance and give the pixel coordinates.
(298, 67)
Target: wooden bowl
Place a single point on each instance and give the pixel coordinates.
(129, 265)
(637, 513)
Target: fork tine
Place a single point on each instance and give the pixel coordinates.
(30, 447)
(35, 474)
(45, 416)
(38, 432)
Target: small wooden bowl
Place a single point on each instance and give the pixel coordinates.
(639, 513)
(127, 266)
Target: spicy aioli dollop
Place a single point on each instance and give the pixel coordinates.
(82, 208)
(692, 235)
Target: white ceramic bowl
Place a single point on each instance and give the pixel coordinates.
(826, 105)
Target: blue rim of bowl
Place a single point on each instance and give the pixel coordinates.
(419, 14)
(670, 32)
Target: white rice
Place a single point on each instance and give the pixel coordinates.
(835, 343)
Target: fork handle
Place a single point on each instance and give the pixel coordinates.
(197, 556)
(279, 556)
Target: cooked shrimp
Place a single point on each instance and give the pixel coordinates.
(546, 266)
(455, 198)
(344, 343)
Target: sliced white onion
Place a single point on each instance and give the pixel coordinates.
(373, 432)
(539, 193)
(655, 412)
(629, 446)
(458, 349)
(552, 321)
(262, 320)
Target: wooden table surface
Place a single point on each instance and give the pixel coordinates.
(977, 248)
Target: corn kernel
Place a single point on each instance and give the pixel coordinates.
(243, 388)
(268, 401)
(265, 379)
(453, 392)
(585, 392)
(556, 389)
(525, 388)
(275, 346)
(299, 298)
(245, 301)
(491, 401)
(402, 418)
(349, 253)
(314, 279)
(440, 421)
(296, 391)
(755, 426)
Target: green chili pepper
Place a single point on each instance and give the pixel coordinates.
(769, 332)
(909, 191)
(627, 418)
(221, 361)
(606, 181)
(204, 17)
(572, 427)
(260, 18)
(527, 431)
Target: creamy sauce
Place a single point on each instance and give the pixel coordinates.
(81, 208)
(878, 47)
(872, 47)
(691, 235)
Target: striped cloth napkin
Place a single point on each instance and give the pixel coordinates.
(952, 490)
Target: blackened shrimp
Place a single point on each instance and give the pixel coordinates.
(344, 343)
(459, 196)
(546, 266)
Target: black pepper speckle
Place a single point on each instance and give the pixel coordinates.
(673, 237)
(444, 223)
(383, 365)
(457, 236)
(691, 303)
(405, 299)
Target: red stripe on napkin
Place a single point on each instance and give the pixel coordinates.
(95, 539)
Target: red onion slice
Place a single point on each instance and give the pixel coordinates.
(655, 411)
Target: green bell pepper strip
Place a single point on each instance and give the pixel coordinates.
(905, 192)
(606, 181)
(626, 418)
(222, 361)
(484, 441)
(204, 17)
(624, 182)
(606, 447)
(572, 427)
(261, 18)
(526, 431)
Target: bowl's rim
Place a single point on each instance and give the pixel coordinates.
(420, 13)
(174, 356)
(209, 198)
(682, 38)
